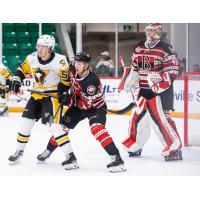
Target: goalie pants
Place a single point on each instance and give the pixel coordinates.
(150, 112)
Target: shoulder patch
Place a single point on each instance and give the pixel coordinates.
(91, 89)
(138, 49)
(62, 62)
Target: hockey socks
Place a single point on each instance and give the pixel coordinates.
(101, 134)
(52, 144)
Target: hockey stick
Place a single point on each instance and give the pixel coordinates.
(20, 98)
(118, 112)
(122, 111)
(60, 108)
(43, 93)
(53, 117)
(131, 105)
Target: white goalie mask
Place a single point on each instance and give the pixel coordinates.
(46, 40)
(153, 32)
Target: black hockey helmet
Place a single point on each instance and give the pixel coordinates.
(82, 56)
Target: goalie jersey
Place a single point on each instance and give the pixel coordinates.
(46, 74)
(156, 60)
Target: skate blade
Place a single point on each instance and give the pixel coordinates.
(117, 169)
(14, 162)
(42, 161)
(173, 159)
(39, 162)
(71, 166)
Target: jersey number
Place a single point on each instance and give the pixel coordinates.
(64, 75)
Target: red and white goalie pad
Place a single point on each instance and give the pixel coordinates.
(129, 80)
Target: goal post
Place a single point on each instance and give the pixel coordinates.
(192, 108)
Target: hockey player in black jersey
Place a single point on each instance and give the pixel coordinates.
(88, 102)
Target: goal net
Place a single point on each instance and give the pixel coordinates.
(192, 108)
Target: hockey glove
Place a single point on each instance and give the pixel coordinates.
(159, 83)
(65, 99)
(15, 84)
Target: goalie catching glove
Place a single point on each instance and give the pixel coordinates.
(159, 83)
(15, 84)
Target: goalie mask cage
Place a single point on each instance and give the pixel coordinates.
(192, 108)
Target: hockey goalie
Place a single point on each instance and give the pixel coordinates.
(154, 68)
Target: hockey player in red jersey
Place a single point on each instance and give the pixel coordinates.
(154, 68)
(88, 102)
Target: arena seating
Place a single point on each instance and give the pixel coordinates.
(19, 40)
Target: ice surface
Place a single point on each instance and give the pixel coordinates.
(91, 157)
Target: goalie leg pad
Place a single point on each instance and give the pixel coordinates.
(172, 123)
(139, 130)
(162, 127)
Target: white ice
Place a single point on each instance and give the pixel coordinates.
(91, 157)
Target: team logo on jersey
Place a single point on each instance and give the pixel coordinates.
(40, 76)
(91, 89)
(145, 62)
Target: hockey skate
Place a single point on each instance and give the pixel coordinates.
(117, 164)
(169, 149)
(4, 112)
(70, 162)
(44, 155)
(15, 158)
(135, 154)
(175, 155)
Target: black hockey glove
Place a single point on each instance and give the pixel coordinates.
(65, 99)
(15, 84)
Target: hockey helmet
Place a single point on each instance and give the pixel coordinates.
(47, 40)
(154, 31)
(82, 56)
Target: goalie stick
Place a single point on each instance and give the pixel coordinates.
(131, 105)
(122, 111)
